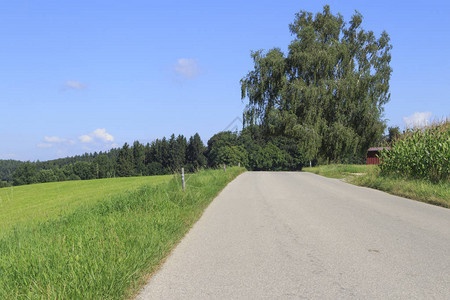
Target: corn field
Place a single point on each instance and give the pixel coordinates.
(422, 153)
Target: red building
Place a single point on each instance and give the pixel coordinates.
(373, 153)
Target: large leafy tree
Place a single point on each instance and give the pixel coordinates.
(216, 142)
(327, 93)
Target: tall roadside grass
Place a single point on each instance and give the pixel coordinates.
(437, 193)
(369, 176)
(420, 153)
(104, 251)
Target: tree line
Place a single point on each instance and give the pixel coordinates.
(250, 148)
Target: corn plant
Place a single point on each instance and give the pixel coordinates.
(422, 153)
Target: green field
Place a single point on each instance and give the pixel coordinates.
(40, 202)
(370, 176)
(107, 248)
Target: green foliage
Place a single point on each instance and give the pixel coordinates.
(84, 170)
(232, 156)
(4, 184)
(393, 134)
(7, 168)
(177, 153)
(125, 163)
(102, 251)
(422, 153)
(328, 92)
(195, 153)
(46, 176)
(104, 167)
(218, 141)
(25, 174)
(254, 150)
(268, 158)
(138, 158)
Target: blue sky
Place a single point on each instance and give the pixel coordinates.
(81, 76)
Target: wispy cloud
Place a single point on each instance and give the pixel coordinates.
(417, 119)
(50, 141)
(187, 68)
(97, 135)
(74, 85)
(44, 145)
(57, 140)
(85, 138)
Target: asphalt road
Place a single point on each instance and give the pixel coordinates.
(300, 235)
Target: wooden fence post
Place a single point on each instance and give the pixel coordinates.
(224, 168)
(182, 180)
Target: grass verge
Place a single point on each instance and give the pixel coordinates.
(369, 176)
(103, 251)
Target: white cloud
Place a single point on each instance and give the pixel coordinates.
(187, 68)
(73, 84)
(97, 135)
(44, 145)
(417, 119)
(103, 135)
(9, 155)
(85, 138)
(51, 140)
(54, 139)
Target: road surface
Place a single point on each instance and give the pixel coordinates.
(299, 235)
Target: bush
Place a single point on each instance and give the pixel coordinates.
(422, 153)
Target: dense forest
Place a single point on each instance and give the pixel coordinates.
(250, 148)
(7, 168)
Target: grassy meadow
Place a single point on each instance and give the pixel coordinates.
(40, 202)
(369, 176)
(105, 249)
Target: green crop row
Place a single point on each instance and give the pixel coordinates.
(422, 153)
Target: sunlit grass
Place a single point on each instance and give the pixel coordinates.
(369, 176)
(341, 171)
(105, 250)
(39, 202)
